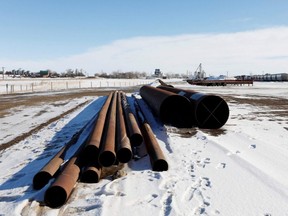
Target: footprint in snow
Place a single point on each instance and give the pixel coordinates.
(221, 166)
(252, 146)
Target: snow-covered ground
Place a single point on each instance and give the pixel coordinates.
(240, 169)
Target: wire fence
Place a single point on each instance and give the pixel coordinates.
(31, 85)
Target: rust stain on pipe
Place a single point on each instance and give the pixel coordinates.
(91, 150)
(123, 146)
(107, 155)
(209, 111)
(133, 130)
(171, 108)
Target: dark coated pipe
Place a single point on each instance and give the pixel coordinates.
(107, 155)
(209, 111)
(91, 150)
(157, 158)
(172, 109)
(133, 130)
(123, 146)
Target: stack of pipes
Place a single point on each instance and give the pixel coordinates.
(114, 133)
(185, 108)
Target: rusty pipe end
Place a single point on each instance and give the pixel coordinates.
(89, 153)
(90, 176)
(160, 165)
(212, 112)
(176, 110)
(55, 196)
(124, 155)
(41, 179)
(136, 139)
(107, 158)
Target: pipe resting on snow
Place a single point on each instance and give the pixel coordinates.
(157, 158)
(172, 108)
(209, 111)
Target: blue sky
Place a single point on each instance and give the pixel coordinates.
(41, 34)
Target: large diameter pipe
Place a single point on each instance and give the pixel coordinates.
(123, 146)
(157, 158)
(60, 190)
(133, 129)
(91, 150)
(107, 155)
(209, 111)
(172, 108)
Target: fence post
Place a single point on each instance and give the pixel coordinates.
(32, 86)
(51, 86)
(7, 88)
(66, 84)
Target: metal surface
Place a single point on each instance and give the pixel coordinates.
(107, 155)
(92, 173)
(157, 158)
(209, 111)
(133, 130)
(172, 108)
(123, 146)
(42, 177)
(58, 193)
(91, 150)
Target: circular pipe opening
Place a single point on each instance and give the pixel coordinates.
(90, 176)
(160, 165)
(107, 158)
(55, 196)
(212, 112)
(124, 155)
(136, 139)
(41, 179)
(89, 153)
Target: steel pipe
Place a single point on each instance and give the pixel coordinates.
(92, 173)
(60, 190)
(157, 158)
(133, 130)
(172, 109)
(209, 111)
(123, 146)
(91, 150)
(49, 171)
(107, 155)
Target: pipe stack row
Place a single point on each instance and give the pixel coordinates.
(115, 132)
(186, 108)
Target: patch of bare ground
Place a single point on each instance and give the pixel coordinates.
(274, 106)
(39, 127)
(8, 102)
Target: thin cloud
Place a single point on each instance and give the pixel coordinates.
(239, 53)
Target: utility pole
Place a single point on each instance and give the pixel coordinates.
(3, 68)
